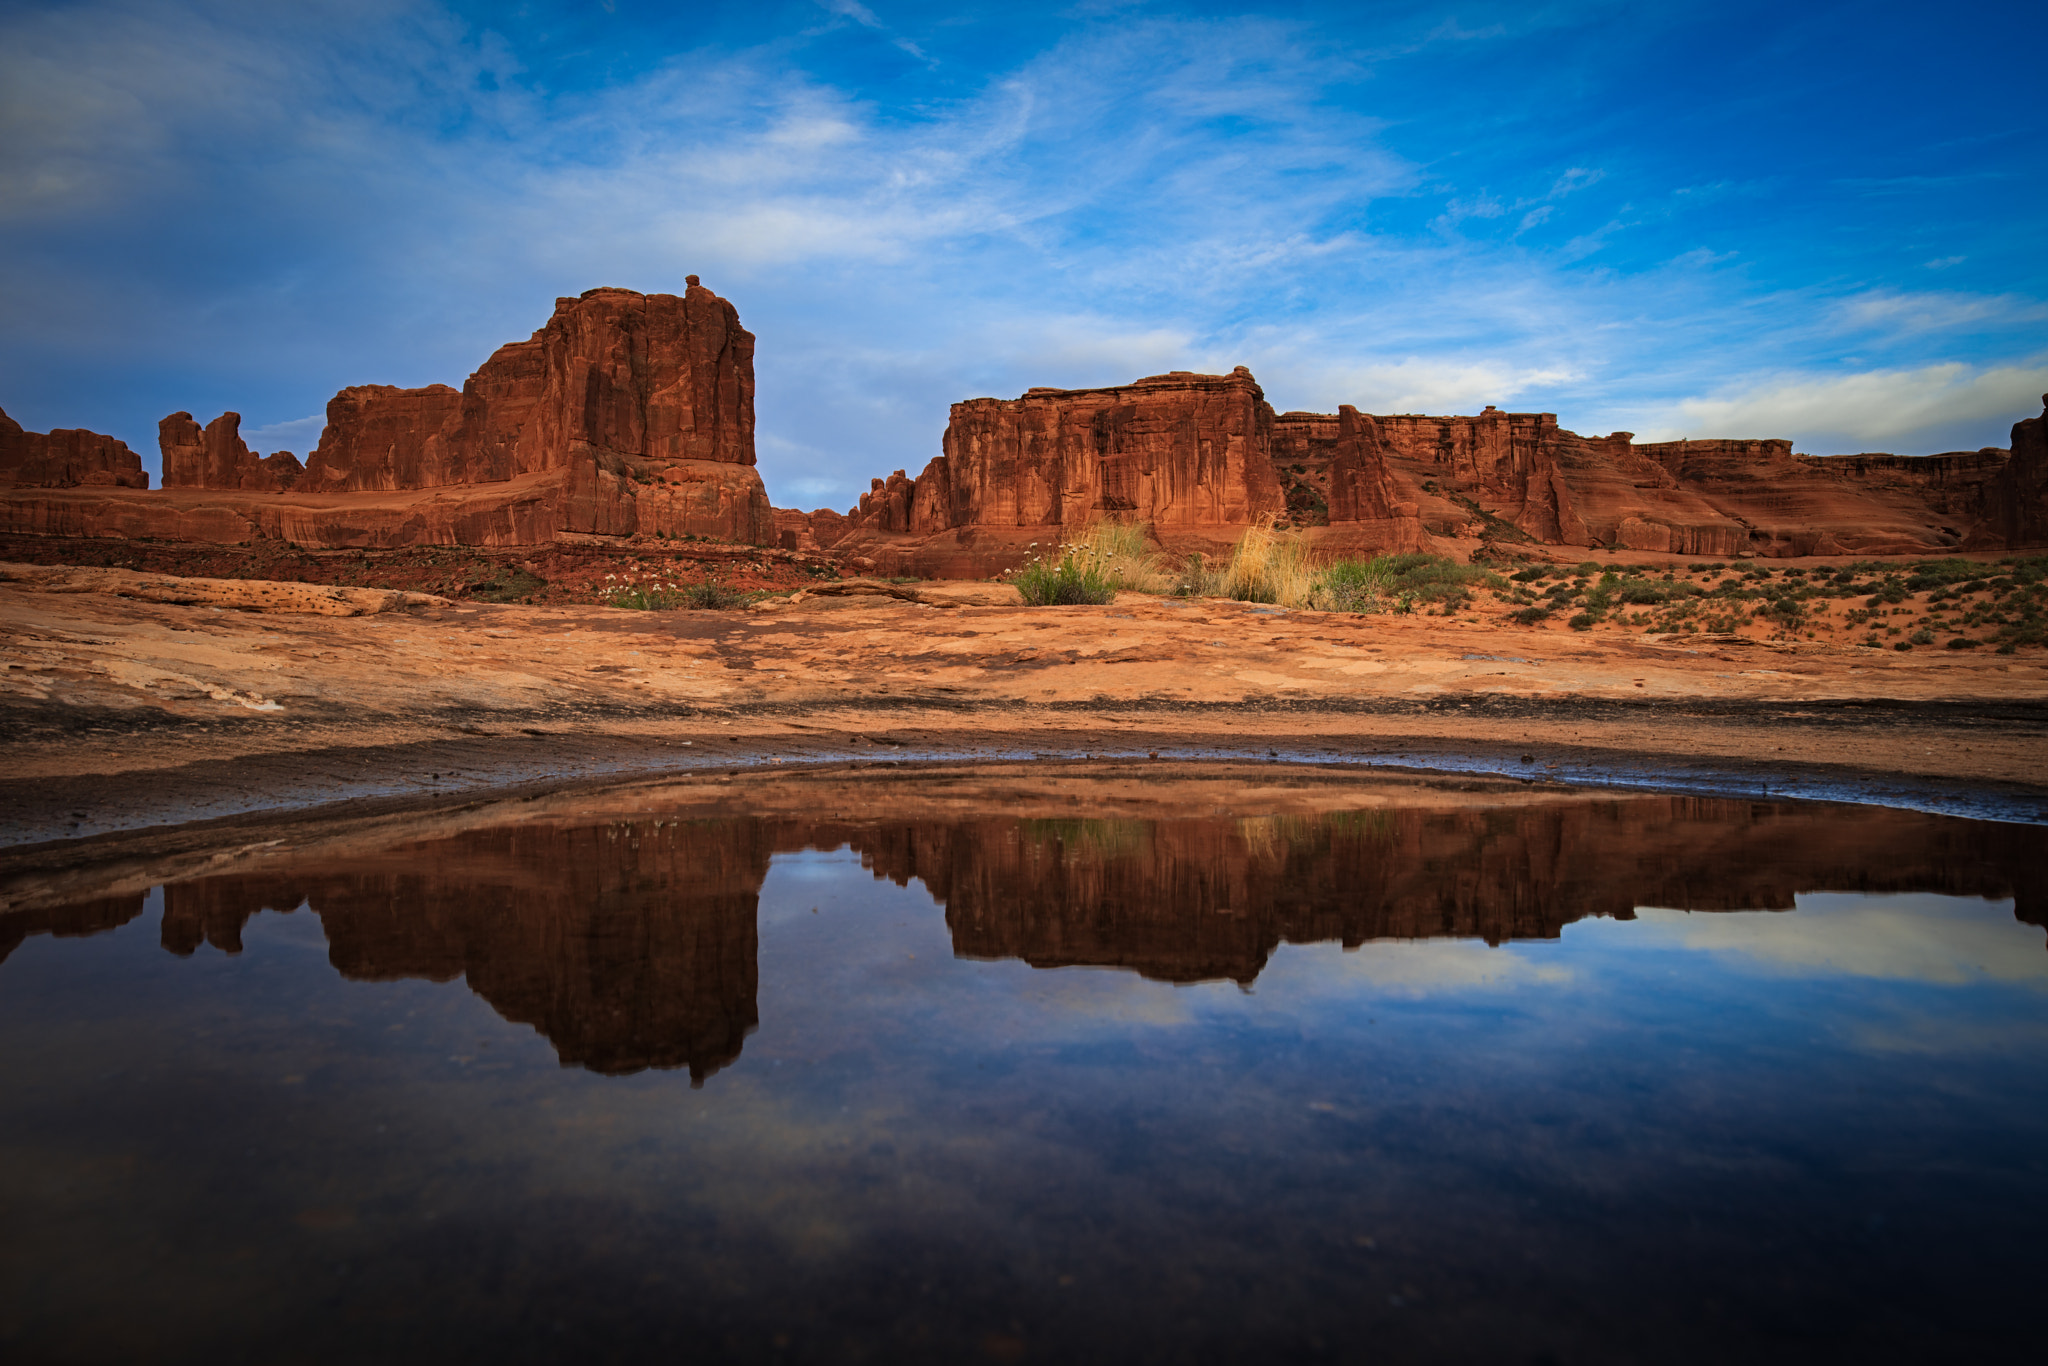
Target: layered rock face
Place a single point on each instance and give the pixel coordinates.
(1520, 477)
(627, 413)
(1015, 473)
(2015, 500)
(1179, 450)
(1191, 455)
(216, 457)
(66, 458)
(1335, 473)
(622, 380)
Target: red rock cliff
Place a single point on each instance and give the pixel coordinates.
(66, 458)
(217, 458)
(615, 378)
(1191, 455)
(628, 413)
(2016, 500)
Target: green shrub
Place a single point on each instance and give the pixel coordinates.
(710, 596)
(1120, 553)
(1582, 622)
(1067, 583)
(1352, 586)
(1964, 643)
(1197, 579)
(507, 584)
(1529, 616)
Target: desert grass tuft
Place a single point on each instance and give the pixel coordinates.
(655, 596)
(1270, 565)
(1122, 551)
(1100, 559)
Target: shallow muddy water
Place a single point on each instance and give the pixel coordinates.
(1616, 1079)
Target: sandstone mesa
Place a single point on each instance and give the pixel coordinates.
(626, 414)
(633, 414)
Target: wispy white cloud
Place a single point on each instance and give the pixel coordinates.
(1911, 313)
(299, 435)
(1415, 385)
(866, 18)
(1953, 941)
(1879, 409)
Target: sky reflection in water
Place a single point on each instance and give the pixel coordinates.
(1125, 1095)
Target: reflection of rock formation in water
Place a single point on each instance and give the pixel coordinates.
(626, 946)
(1190, 900)
(631, 945)
(76, 920)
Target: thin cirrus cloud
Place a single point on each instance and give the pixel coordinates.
(215, 204)
(1856, 411)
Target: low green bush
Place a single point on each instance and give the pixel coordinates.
(710, 596)
(1063, 583)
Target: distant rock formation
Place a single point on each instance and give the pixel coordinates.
(2016, 499)
(1191, 455)
(1201, 456)
(66, 458)
(633, 414)
(217, 458)
(625, 382)
(627, 413)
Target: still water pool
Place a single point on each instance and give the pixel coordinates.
(1650, 1079)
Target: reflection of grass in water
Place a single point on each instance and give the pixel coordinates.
(1105, 837)
(1276, 836)
(1264, 837)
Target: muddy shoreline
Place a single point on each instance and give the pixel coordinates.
(242, 787)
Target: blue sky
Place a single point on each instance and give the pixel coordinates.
(1818, 221)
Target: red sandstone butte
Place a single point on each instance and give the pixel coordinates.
(217, 458)
(66, 458)
(1189, 454)
(1200, 456)
(627, 413)
(2016, 498)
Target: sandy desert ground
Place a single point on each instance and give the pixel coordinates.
(120, 713)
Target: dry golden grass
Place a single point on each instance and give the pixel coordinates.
(1120, 552)
(1270, 565)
